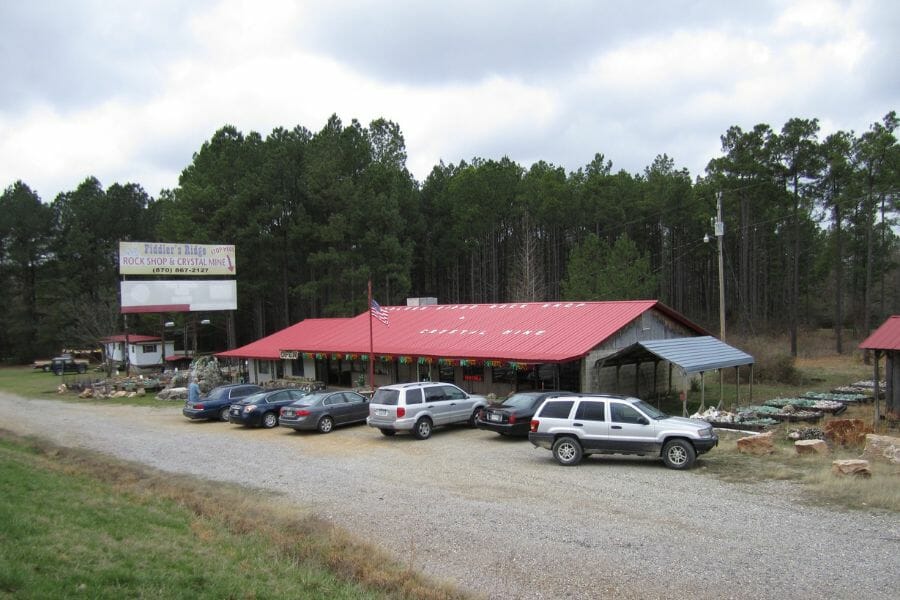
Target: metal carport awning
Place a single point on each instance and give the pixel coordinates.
(691, 354)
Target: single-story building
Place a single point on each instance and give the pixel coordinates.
(143, 350)
(885, 341)
(483, 348)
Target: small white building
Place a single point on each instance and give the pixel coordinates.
(143, 350)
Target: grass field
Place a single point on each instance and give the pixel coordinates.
(31, 383)
(77, 524)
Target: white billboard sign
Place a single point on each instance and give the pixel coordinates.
(160, 258)
(178, 296)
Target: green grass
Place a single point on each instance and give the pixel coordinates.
(31, 383)
(73, 524)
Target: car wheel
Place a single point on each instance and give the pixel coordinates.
(387, 432)
(679, 454)
(422, 430)
(82, 369)
(223, 414)
(326, 424)
(473, 417)
(269, 420)
(567, 451)
(46, 368)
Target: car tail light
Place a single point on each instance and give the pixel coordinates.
(534, 425)
(198, 406)
(401, 412)
(302, 413)
(512, 419)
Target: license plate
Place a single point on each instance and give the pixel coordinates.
(495, 417)
(381, 412)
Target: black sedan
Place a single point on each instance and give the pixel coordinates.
(216, 403)
(263, 408)
(323, 410)
(513, 415)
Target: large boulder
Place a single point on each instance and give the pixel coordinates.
(758, 445)
(847, 432)
(173, 393)
(882, 447)
(853, 466)
(811, 447)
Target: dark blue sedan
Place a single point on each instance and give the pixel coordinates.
(216, 403)
(263, 408)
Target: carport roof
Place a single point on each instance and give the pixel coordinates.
(886, 337)
(693, 355)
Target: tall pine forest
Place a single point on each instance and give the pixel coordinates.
(810, 235)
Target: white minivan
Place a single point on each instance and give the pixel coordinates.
(419, 407)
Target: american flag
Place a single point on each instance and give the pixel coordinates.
(379, 313)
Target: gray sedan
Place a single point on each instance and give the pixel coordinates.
(324, 410)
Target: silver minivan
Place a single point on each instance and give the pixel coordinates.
(419, 407)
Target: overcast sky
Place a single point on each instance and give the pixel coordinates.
(128, 91)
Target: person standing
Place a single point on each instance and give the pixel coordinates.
(193, 391)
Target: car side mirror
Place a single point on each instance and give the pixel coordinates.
(643, 421)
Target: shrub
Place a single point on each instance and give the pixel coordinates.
(778, 368)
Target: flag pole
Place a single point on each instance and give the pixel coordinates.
(371, 343)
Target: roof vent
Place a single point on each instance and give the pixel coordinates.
(421, 301)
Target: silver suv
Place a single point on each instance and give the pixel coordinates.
(419, 407)
(574, 426)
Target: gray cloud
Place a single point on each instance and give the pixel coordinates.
(70, 54)
(429, 43)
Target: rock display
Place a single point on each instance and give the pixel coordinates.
(853, 466)
(758, 445)
(174, 393)
(811, 447)
(806, 433)
(883, 448)
(847, 432)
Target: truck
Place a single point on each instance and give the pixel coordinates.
(62, 364)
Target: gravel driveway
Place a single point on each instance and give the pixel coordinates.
(501, 518)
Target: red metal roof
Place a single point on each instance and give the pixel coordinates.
(527, 332)
(133, 338)
(886, 337)
(270, 347)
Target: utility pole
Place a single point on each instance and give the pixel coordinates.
(720, 233)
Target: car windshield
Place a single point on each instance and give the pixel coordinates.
(217, 393)
(254, 398)
(388, 397)
(312, 399)
(519, 401)
(650, 411)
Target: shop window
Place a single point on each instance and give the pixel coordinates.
(472, 373)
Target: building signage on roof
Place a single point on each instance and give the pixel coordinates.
(158, 258)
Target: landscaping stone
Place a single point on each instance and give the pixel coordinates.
(759, 445)
(811, 447)
(847, 432)
(853, 466)
(882, 447)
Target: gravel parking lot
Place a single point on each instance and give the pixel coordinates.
(500, 518)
